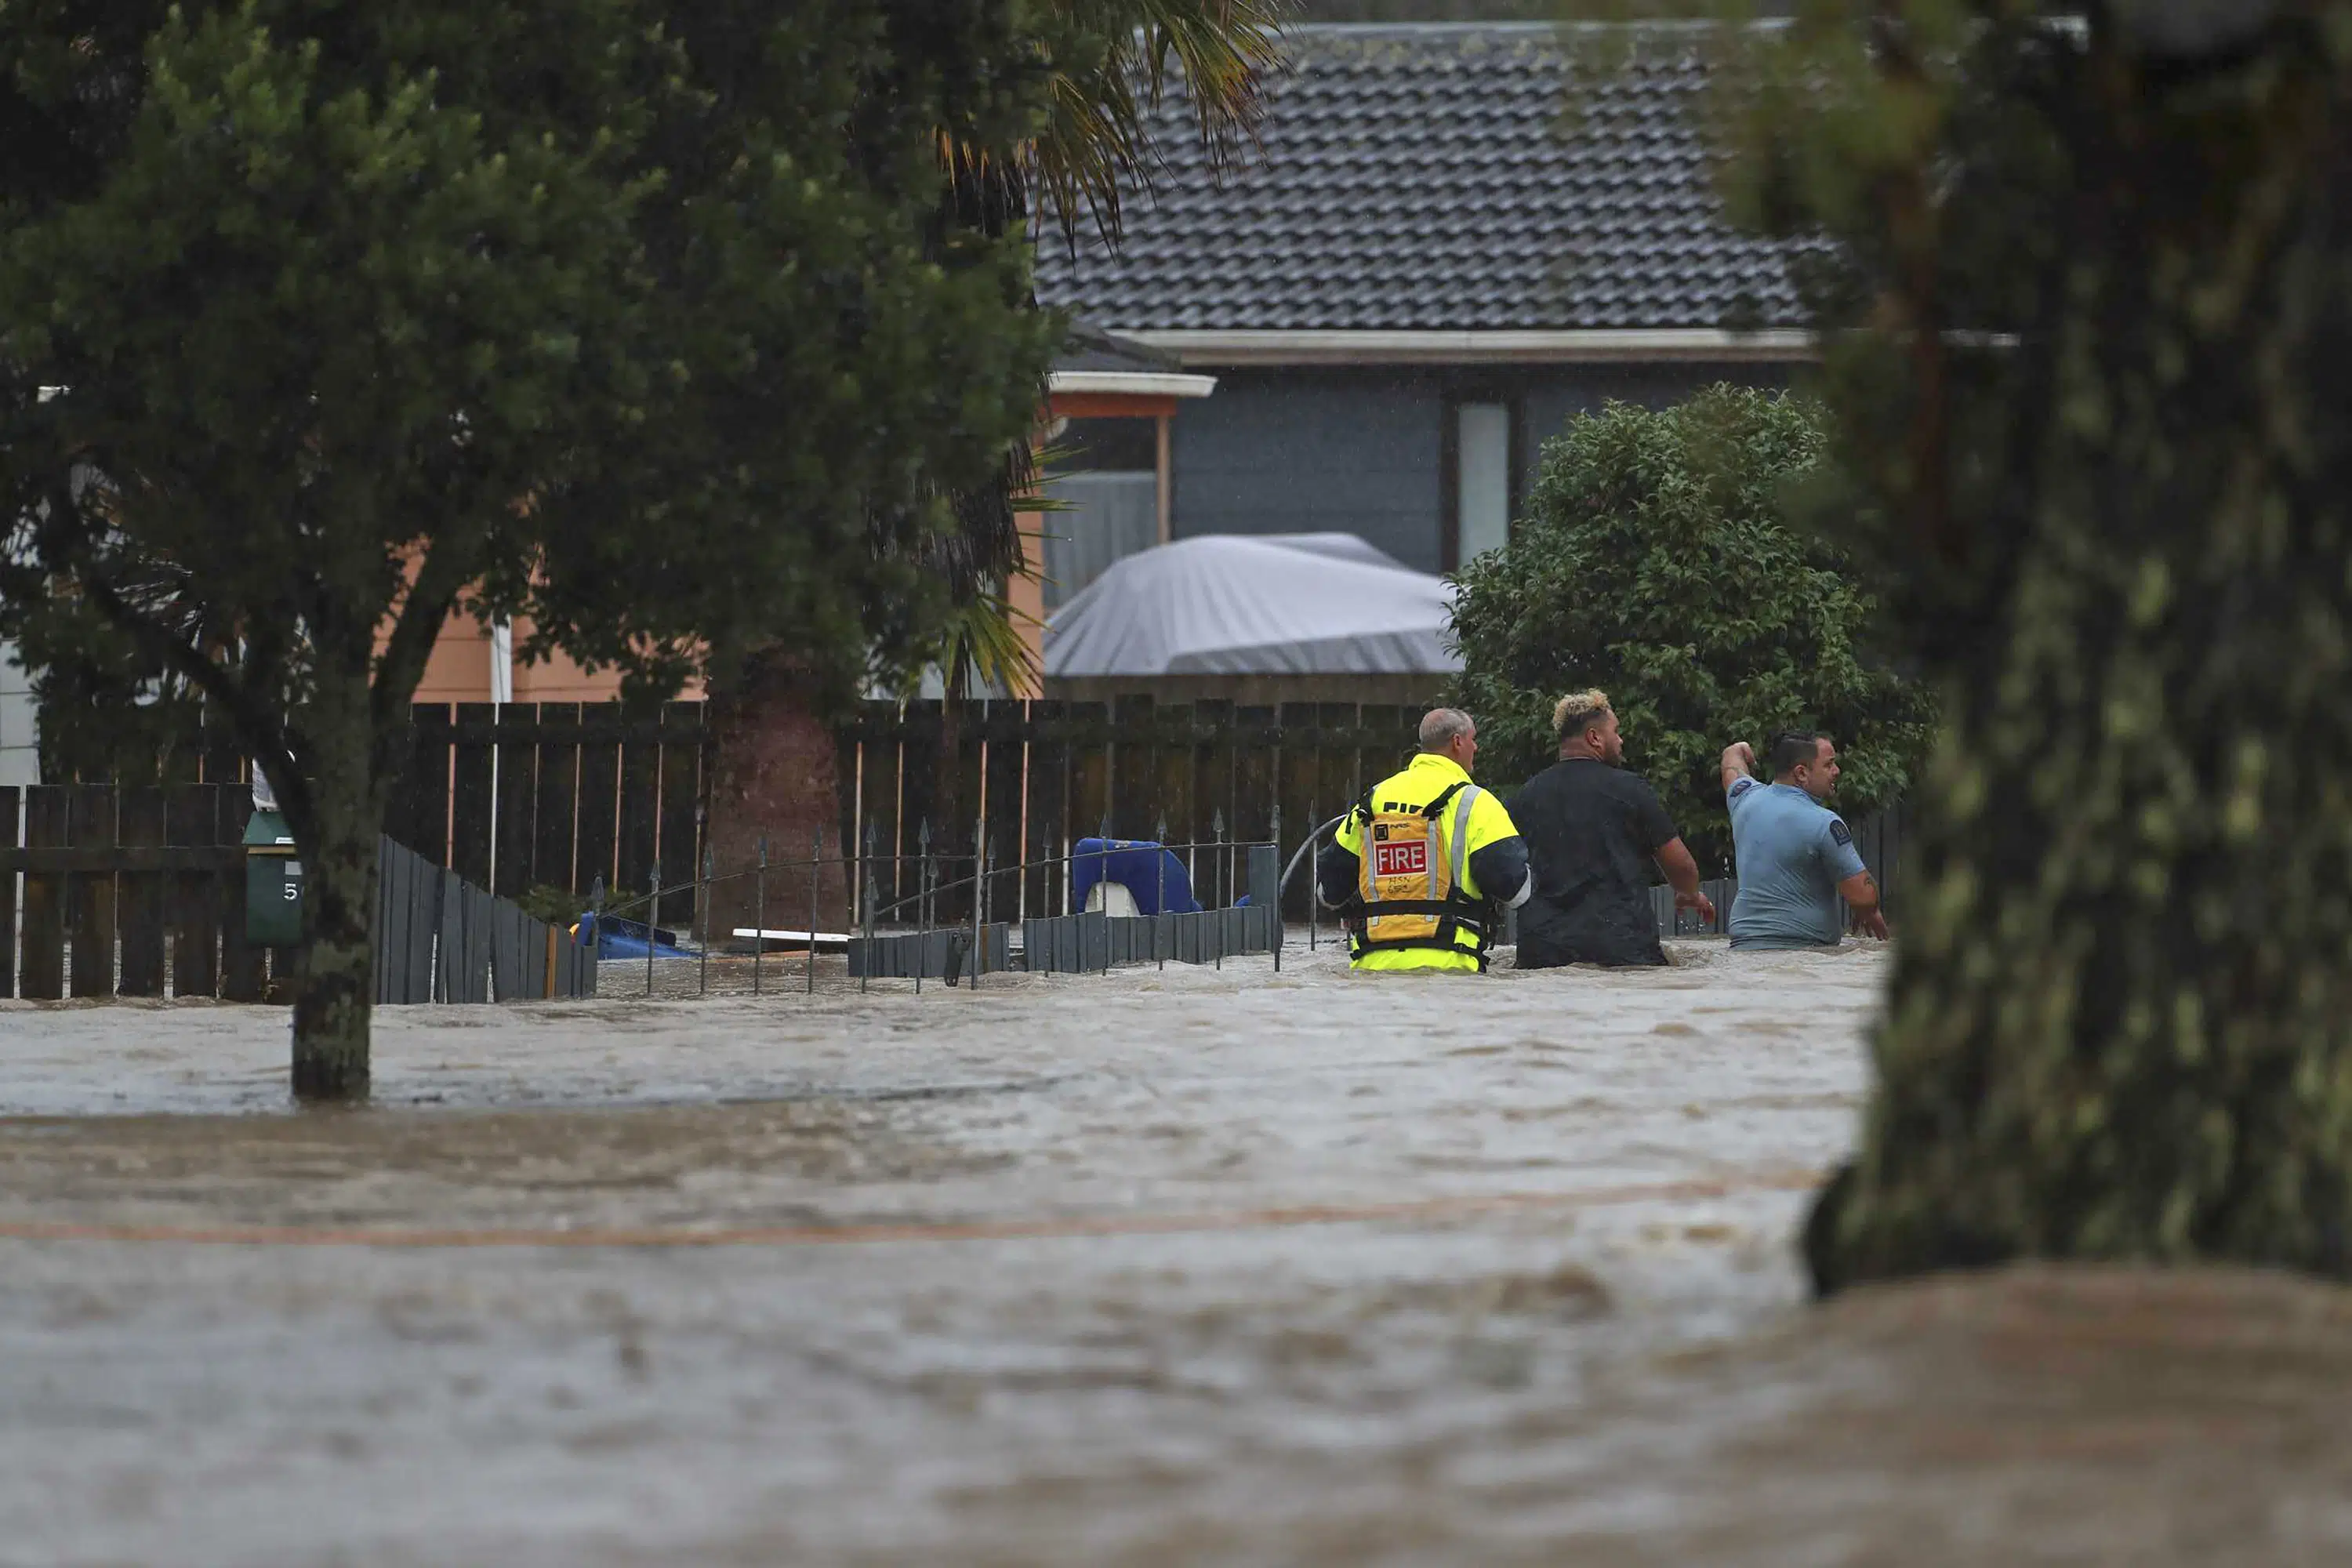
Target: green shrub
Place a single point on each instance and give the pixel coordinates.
(1654, 560)
(556, 906)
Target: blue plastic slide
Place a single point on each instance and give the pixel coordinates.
(1143, 868)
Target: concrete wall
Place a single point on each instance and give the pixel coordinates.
(1362, 449)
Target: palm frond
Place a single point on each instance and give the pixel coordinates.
(1117, 62)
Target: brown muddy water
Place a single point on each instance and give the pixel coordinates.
(1146, 1268)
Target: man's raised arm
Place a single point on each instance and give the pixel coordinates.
(1738, 763)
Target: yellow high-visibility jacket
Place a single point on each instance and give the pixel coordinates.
(1401, 868)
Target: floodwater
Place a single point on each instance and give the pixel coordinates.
(1152, 1267)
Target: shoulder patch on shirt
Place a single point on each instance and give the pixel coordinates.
(1839, 833)
(1740, 787)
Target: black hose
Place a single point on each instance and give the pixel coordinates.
(1302, 848)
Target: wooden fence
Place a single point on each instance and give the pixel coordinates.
(122, 888)
(515, 795)
(438, 938)
(142, 892)
(1032, 778)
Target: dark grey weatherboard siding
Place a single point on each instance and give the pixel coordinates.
(1553, 397)
(1362, 450)
(1298, 452)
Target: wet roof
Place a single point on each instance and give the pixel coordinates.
(1426, 177)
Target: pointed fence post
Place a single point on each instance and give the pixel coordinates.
(596, 907)
(869, 893)
(1225, 854)
(1102, 882)
(702, 902)
(980, 880)
(866, 928)
(1272, 919)
(922, 901)
(759, 914)
(1159, 927)
(816, 877)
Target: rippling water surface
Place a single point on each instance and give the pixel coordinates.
(1152, 1267)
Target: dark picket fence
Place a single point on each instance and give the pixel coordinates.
(1029, 779)
(441, 939)
(515, 795)
(1032, 778)
(518, 796)
(142, 892)
(122, 888)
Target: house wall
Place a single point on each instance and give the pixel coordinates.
(20, 739)
(1289, 451)
(458, 670)
(1548, 402)
(1363, 450)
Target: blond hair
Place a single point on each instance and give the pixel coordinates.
(1575, 712)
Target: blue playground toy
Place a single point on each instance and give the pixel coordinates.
(624, 939)
(1145, 869)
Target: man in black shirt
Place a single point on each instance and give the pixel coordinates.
(1593, 833)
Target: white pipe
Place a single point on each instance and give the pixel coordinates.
(502, 662)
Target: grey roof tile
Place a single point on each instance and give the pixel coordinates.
(1425, 177)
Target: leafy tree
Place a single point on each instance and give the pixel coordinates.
(317, 321)
(1653, 562)
(2083, 290)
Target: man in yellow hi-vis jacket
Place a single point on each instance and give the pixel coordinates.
(1427, 861)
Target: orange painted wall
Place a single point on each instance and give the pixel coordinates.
(1027, 593)
(459, 667)
(459, 671)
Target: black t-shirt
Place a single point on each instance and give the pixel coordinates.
(1592, 832)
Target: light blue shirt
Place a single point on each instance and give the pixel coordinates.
(1793, 852)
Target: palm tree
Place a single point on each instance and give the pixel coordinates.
(1112, 63)
(1111, 67)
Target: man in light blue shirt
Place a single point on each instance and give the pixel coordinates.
(1796, 855)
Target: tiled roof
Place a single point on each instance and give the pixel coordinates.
(1427, 178)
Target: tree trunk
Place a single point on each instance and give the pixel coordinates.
(338, 819)
(774, 775)
(2119, 1023)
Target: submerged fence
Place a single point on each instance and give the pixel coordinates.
(510, 795)
(931, 943)
(1030, 778)
(142, 892)
(518, 796)
(438, 938)
(134, 892)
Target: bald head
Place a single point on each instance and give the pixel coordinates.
(1450, 733)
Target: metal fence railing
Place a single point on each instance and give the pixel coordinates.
(949, 926)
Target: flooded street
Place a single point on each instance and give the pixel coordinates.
(1147, 1269)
